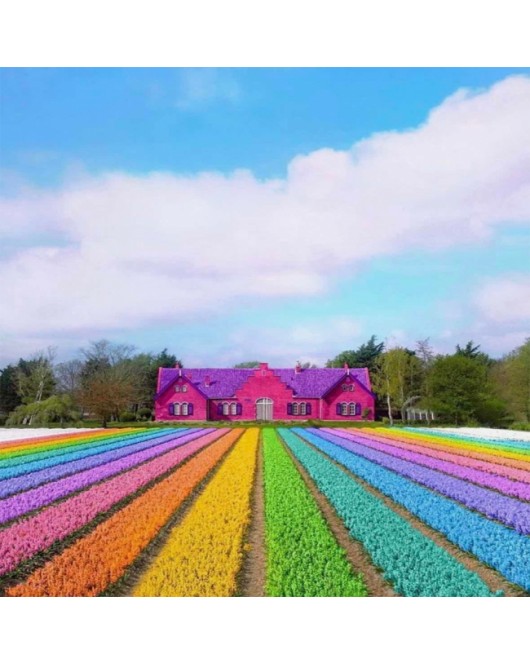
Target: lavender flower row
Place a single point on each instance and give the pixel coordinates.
(18, 484)
(493, 505)
(17, 505)
(516, 489)
(28, 537)
(92, 450)
(498, 546)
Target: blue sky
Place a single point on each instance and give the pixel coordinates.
(276, 214)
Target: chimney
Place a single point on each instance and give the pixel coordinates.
(298, 367)
(346, 368)
(207, 381)
(263, 366)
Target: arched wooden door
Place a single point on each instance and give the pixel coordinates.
(264, 409)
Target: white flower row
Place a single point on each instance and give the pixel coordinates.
(10, 434)
(485, 433)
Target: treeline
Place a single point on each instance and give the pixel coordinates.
(108, 382)
(467, 387)
(113, 382)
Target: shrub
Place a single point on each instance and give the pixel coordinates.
(127, 416)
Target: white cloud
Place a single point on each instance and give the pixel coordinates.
(505, 299)
(137, 250)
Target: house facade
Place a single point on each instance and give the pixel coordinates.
(264, 394)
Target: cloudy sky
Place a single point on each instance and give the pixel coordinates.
(273, 214)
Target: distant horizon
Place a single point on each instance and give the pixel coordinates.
(219, 212)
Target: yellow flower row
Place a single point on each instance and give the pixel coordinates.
(203, 554)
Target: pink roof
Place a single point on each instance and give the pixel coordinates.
(224, 382)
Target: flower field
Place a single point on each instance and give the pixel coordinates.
(265, 512)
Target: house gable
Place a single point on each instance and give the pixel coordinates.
(180, 390)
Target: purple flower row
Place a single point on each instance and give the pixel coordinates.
(26, 538)
(507, 510)
(33, 479)
(17, 505)
(506, 486)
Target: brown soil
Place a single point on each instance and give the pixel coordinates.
(253, 573)
(355, 552)
(493, 579)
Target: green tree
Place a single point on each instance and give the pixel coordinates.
(35, 379)
(473, 352)
(365, 356)
(512, 377)
(247, 364)
(58, 408)
(109, 380)
(459, 388)
(9, 398)
(396, 378)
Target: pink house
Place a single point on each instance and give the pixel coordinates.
(263, 393)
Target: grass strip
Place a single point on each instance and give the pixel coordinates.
(303, 556)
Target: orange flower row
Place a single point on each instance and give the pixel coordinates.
(94, 562)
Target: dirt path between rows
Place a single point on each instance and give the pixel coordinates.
(254, 568)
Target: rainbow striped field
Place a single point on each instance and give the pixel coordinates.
(265, 512)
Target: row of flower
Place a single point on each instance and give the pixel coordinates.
(15, 448)
(36, 478)
(496, 435)
(498, 546)
(413, 563)
(490, 503)
(57, 450)
(303, 556)
(36, 498)
(13, 440)
(459, 448)
(202, 556)
(511, 487)
(489, 466)
(89, 565)
(504, 448)
(27, 537)
(97, 449)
